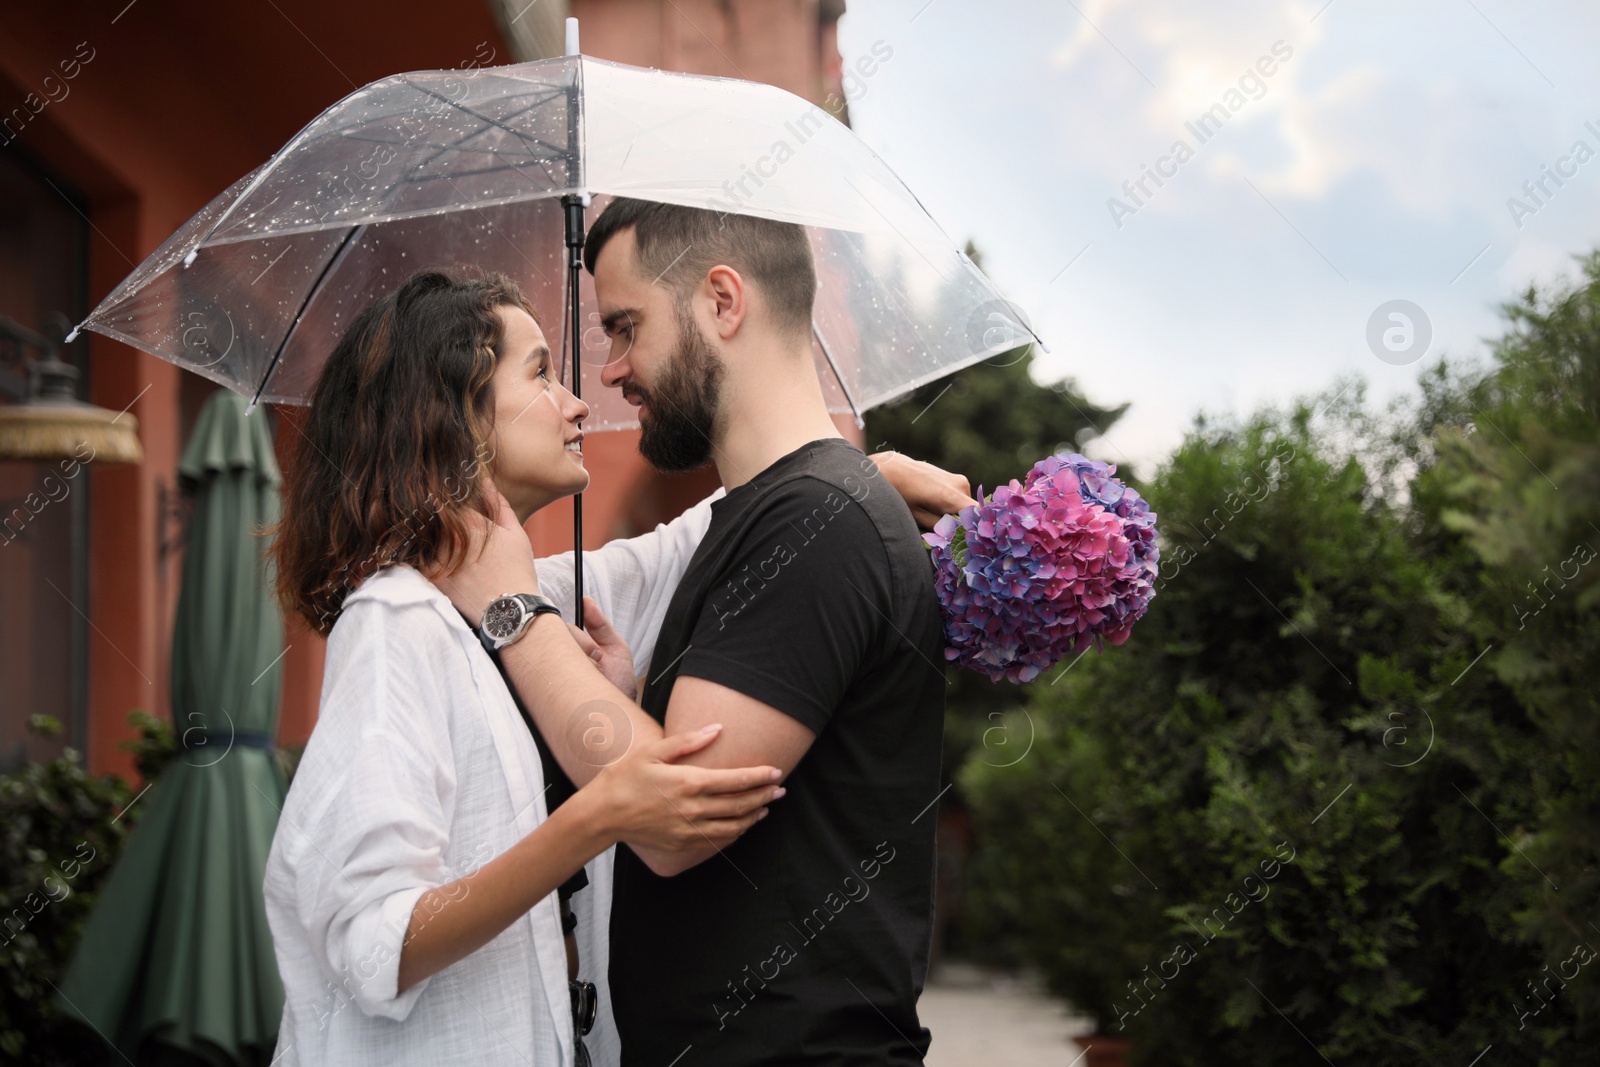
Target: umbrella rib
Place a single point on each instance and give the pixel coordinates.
(443, 149)
(316, 286)
(544, 98)
(403, 143)
(827, 354)
(459, 146)
(519, 135)
(557, 150)
(410, 178)
(539, 103)
(553, 188)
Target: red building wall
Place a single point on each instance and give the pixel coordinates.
(174, 103)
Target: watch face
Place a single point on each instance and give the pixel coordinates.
(501, 619)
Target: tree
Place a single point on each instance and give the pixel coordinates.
(1521, 482)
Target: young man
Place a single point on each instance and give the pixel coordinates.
(806, 625)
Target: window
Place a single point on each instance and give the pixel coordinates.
(43, 515)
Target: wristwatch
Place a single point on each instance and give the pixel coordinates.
(507, 618)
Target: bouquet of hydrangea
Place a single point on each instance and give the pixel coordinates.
(1044, 569)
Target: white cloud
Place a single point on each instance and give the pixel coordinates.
(1537, 262)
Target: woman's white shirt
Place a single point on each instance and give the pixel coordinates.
(419, 771)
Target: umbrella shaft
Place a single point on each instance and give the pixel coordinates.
(572, 205)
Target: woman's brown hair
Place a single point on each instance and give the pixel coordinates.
(391, 454)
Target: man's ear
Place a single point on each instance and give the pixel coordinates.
(730, 299)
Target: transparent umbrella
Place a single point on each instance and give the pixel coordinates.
(497, 167)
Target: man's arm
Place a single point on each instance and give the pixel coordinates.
(606, 725)
(753, 733)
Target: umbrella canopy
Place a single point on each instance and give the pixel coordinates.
(178, 947)
(438, 166)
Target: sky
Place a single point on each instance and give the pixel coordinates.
(1359, 154)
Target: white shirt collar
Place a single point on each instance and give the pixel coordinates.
(401, 583)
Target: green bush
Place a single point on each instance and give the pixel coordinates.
(153, 747)
(63, 829)
(1273, 820)
(60, 830)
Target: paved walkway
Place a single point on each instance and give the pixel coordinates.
(983, 1019)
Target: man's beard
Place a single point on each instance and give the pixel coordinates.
(683, 404)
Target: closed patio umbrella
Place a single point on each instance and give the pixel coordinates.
(177, 957)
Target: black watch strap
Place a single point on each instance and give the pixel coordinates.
(538, 605)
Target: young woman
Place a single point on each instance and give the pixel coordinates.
(412, 887)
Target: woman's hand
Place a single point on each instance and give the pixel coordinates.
(658, 805)
(499, 560)
(605, 646)
(931, 492)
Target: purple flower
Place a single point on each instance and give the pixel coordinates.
(1044, 569)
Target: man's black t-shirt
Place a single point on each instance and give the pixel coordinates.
(807, 940)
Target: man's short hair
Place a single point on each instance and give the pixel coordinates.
(678, 245)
